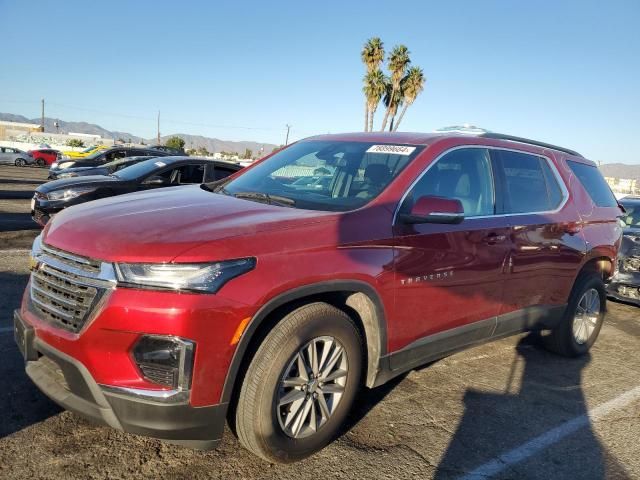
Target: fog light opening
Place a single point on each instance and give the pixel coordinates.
(165, 360)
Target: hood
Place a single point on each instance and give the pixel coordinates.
(158, 225)
(85, 171)
(71, 182)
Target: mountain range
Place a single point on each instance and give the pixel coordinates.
(621, 170)
(191, 141)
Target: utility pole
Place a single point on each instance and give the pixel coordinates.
(158, 127)
(42, 117)
(286, 142)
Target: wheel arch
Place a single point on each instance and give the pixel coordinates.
(599, 263)
(358, 299)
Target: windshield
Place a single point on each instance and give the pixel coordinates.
(632, 217)
(118, 162)
(323, 175)
(95, 154)
(140, 169)
(89, 149)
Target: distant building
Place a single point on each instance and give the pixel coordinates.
(13, 129)
(623, 185)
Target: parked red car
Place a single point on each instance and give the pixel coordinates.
(263, 301)
(45, 156)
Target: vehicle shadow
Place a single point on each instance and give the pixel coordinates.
(21, 403)
(16, 194)
(14, 221)
(496, 424)
(366, 400)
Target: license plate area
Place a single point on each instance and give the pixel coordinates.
(23, 336)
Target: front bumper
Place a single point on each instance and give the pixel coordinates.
(67, 382)
(42, 210)
(625, 287)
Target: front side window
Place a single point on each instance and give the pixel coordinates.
(190, 174)
(463, 174)
(323, 175)
(221, 172)
(529, 184)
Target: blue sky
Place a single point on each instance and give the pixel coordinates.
(563, 72)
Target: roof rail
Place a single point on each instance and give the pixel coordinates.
(502, 136)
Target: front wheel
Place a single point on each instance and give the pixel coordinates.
(582, 320)
(300, 385)
(20, 162)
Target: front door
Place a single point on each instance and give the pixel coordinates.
(451, 276)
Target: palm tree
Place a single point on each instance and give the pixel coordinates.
(372, 56)
(412, 86)
(392, 101)
(374, 87)
(398, 61)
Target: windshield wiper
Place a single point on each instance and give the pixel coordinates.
(266, 198)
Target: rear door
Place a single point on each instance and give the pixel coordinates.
(546, 249)
(452, 276)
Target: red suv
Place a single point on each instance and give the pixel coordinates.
(268, 303)
(45, 156)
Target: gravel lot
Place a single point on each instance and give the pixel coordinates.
(16, 189)
(502, 410)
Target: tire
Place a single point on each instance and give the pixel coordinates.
(272, 431)
(20, 162)
(568, 341)
(40, 162)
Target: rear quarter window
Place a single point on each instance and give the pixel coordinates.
(594, 183)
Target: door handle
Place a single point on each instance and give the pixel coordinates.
(494, 238)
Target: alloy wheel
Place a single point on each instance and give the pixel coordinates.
(311, 387)
(586, 317)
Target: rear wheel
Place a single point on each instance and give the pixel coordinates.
(582, 319)
(40, 162)
(300, 384)
(20, 162)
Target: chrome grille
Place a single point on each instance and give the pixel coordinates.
(72, 260)
(66, 288)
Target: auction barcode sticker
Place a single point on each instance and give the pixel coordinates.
(392, 149)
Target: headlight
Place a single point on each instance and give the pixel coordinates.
(196, 277)
(69, 193)
(55, 164)
(36, 251)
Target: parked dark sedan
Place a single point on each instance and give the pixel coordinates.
(106, 169)
(152, 173)
(101, 157)
(625, 284)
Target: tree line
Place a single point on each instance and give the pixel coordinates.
(399, 88)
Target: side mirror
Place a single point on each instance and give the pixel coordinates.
(155, 181)
(429, 209)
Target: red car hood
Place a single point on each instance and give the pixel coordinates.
(157, 226)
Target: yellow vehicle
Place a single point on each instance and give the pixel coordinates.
(84, 153)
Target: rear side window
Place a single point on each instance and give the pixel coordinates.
(529, 183)
(593, 182)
